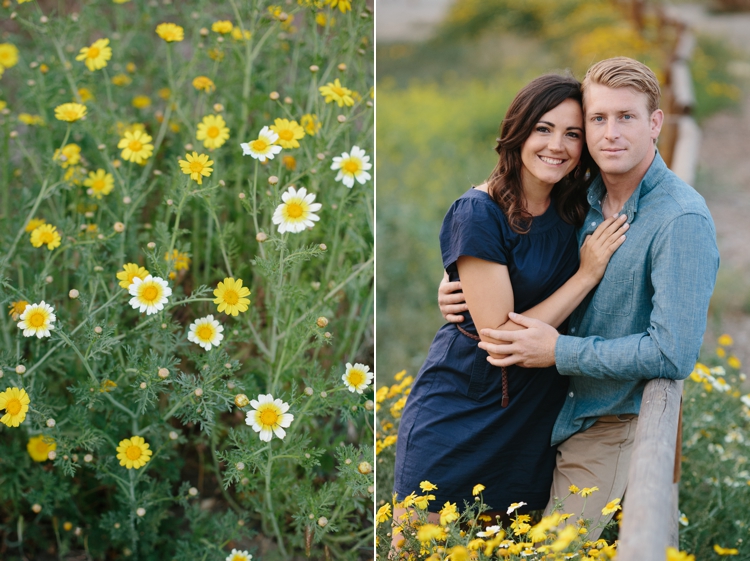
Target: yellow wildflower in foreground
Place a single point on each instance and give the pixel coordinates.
(170, 32)
(310, 123)
(100, 183)
(133, 452)
(612, 506)
(726, 340)
(97, 55)
(141, 102)
(449, 513)
(269, 417)
(725, 550)
(15, 401)
(34, 223)
(46, 234)
(129, 272)
(343, 5)
(297, 211)
(37, 319)
(136, 146)
(429, 532)
(17, 308)
(263, 147)
(230, 296)
(586, 491)
(40, 446)
(357, 377)
(181, 260)
(289, 133)
(149, 295)
(206, 332)
(334, 91)
(70, 155)
(674, 554)
(383, 514)
(222, 26)
(204, 83)
(478, 488)
(70, 112)
(8, 55)
(212, 131)
(197, 166)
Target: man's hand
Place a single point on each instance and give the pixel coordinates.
(533, 347)
(451, 302)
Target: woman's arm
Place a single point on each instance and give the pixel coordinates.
(489, 294)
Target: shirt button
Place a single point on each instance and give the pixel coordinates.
(571, 394)
(572, 329)
(593, 223)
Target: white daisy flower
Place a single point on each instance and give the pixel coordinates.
(515, 506)
(263, 147)
(489, 531)
(357, 377)
(206, 332)
(297, 211)
(239, 556)
(37, 319)
(746, 399)
(149, 295)
(352, 166)
(268, 417)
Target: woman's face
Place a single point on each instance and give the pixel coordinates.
(554, 146)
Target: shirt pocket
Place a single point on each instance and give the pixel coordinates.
(614, 296)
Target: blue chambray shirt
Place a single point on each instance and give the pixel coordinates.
(647, 317)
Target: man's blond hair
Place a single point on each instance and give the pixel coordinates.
(624, 72)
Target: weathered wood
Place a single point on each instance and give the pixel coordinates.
(686, 147)
(649, 510)
(685, 45)
(682, 87)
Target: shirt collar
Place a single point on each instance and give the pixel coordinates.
(653, 177)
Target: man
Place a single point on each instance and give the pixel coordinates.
(646, 318)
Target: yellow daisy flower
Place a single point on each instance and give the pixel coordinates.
(478, 488)
(149, 295)
(181, 260)
(206, 332)
(204, 83)
(70, 155)
(310, 123)
(238, 35)
(222, 26)
(674, 554)
(133, 452)
(70, 112)
(725, 550)
(212, 131)
(343, 5)
(96, 56)
(40, 446)
(100, 183)
(85, 94)
(34, 223)
(334, 91)
(37, 319)
(197, 166)
(170, 32)
(262, 148)
(586, 491)
(726, 340)
(141, 101)
(357, 378)
(8, 55)
(289, 133)
(129, 272)
(46, 234)
(611, 506)
(121, 80)
(31, 120)
(230, 296)
(269, 417)
(17, 308)
(290, 162)
(15, 401)
(136, 146)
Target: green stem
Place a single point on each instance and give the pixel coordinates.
(221, 241)
(269, 507)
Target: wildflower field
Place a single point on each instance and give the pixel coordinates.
(186, 267)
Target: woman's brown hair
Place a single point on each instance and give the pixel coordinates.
(504, 184)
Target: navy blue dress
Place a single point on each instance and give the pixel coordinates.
(454, 432)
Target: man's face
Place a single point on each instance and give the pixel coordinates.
(620, 131)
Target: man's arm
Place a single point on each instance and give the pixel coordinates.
(683, 272)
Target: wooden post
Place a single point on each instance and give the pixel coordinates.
(650, 507)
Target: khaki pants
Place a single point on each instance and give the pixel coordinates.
(597, 457)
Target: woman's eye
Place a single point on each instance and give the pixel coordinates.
(542, 129)
(574, 135)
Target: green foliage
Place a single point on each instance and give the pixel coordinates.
(108, 372)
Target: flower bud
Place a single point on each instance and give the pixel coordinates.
(173, 435)
(51, 455)
(140, 511)
(273, 180)
(322, 321)
(73, 294)
(51, 423)
(341, 67)
(241, 400)
(192, 491)
(341, 118)
(163, 373)
(127, 200)
(364, 468)
(274, 95)
(88, 458)
(198, 392)
(37, 508)
(20, 369)
(98, 330)
(260, 237)
(240, 466)
(143, 385)
(308, 390)
(322, 521)
(314, 68)
(119, 227)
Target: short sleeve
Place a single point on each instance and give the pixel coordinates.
(473, 226)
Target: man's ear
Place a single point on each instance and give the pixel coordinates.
(657, 120)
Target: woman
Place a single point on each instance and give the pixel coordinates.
(511, 241)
